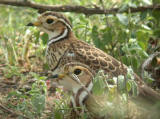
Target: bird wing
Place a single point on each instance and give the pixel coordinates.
(96, 59)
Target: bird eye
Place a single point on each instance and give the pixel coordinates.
(77, 71)
(49, 21)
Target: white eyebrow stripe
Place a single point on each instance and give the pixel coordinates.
(62, 20)
(59, 38)
(84, 93)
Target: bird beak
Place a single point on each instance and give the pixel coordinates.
(37, 23)
(57, 76)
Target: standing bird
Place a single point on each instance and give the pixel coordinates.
(63, 47)
(78, 79)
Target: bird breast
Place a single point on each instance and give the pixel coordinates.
(54, 53)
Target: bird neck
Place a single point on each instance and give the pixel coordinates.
(97, 105)
(78, 98)
(58, 35)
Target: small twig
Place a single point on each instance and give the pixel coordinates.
(86, 31)
(5, 109)
(156, 49)
(77, 8)
(103, 6)
(12, 112)
(147, 62)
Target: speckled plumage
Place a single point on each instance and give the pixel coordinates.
(70, 49)
(63, 48)
(98, 106)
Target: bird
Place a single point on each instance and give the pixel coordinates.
(64, 47)
(77, 78)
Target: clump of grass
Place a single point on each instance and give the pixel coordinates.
(32, 103)
(112, 98)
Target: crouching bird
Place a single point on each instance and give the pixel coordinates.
(77, 78)
(64, 47)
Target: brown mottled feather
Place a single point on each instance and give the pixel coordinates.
(103, 61)
(94, 58)
(60, 52)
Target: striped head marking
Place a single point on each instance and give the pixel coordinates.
(50, 19)
(73, 76)
(76, 78)
(56, 25)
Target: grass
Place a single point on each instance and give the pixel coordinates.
(23, 69)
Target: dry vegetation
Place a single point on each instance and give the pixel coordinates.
(24, 93)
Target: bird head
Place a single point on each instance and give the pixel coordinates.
(54, 24)
(74, 76)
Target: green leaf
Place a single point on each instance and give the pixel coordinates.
(124, 7)
(143, 15)
(99, 83)
(38, 102)
(125, 60)
(98, 87)
(129, 86)
(157, 32)
(147, 2)
(130, 73)
(134, 88)
(135, 62)
(58, 115)
(123, 19)
(44, 38)
(37, 35)
(95, 37)
(107, 36)
(121, 83)
(142, 38)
